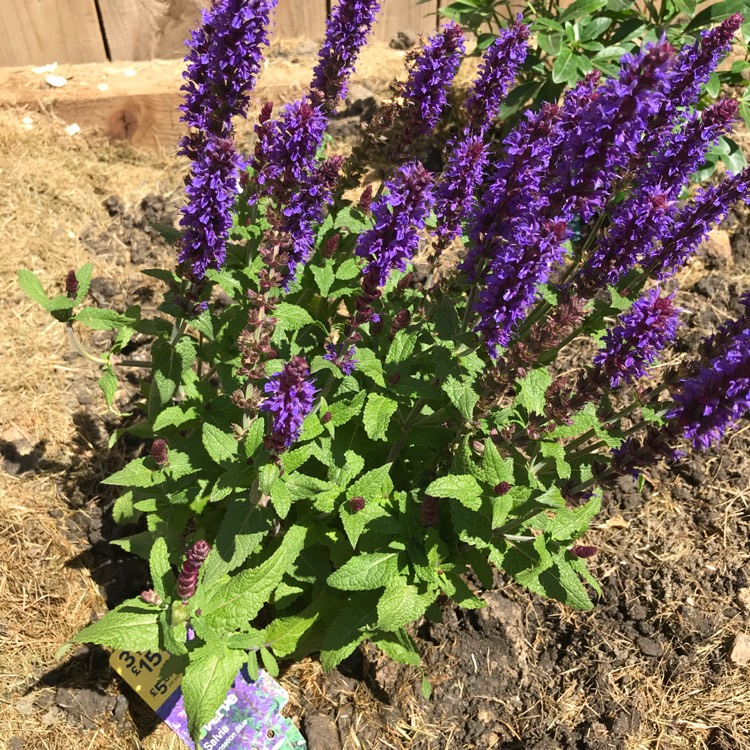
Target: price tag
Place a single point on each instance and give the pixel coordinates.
(142, 672)
(249, 719)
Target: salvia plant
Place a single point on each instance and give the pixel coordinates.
(335, 442)
(570, 40)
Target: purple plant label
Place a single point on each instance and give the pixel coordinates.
(249, 719)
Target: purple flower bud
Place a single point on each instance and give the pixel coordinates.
(331, 246)
(187, 581)
(583, 552)
(401, 321)
(326, 418)
(395, 378)
(71, 284)
(503, 488)
(357, 504)
(365, 200)
(160, 452)
(342, 355)
(429, 511)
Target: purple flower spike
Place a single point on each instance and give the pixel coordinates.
(347, 30)
(400, 214)
(519, 265)
(211, 190)
(714, 400)
(638, 339)
(497, 72)
(431, 77)
(291, 394)
(606, 135)
(691, 225)
(224, 61)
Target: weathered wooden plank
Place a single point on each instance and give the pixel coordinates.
(36, 32)
(149, 29)
(138, 102)
(405, 15)
(297, 18)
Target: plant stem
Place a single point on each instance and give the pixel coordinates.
(81, 350)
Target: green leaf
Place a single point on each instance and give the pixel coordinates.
(240, 599)
(132, 626)
(284, 633)
(462, 396)
(550, 42)
(269, 663)
(220, 445)
(206, 682)
(104, 320)
(240, 535)
(354, 522)
(108, 383)
(281, 498)
(351, 218)
(377, 416)
(595, 27)
(400, 605)
(345, 410)
(366, 571)
(399, 647)
(345, 632)
(556, 451)
(161, 570)
(462, 487)
(169, 363)
(714, 13)
(402, 347)
(532, 390)
(32, 288)
(254, 437)
(497, 468)
(134, 474)
(324, 277)
(564, 69)
(291, 317)
(580, 9)
(368, 364)
(175, 416)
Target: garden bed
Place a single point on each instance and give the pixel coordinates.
(657, 664)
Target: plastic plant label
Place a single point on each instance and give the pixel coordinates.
(249, 719)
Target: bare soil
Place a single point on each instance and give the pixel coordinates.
(649, 669)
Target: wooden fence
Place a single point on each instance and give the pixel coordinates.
(36, 32)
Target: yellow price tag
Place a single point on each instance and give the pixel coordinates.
(142, 672)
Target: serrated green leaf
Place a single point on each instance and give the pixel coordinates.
(104, 320)
(175, 416)
(400, 605)
(161, 570)
(355, 522)
(399, 647)
(206, 682)
(378, 412)
(284, 633)
(461, 487)
(345, 410)
(281, 498)
(108, 383)
(254, 437)
(220, 445)
(366, 571)
(269, 663)
(32, 288)
(291, 317)
(240, 535)
(402, 347)
(496, 468)
(83, 276)
(324, 277)
(368, 364)
(134, 474)
(132, 626)
(532, 390)
(556, 451)
(240, 599)
(462, 396)
(345, 632)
